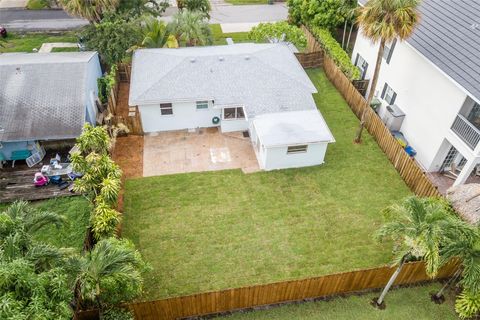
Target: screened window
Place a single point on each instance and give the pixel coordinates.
(297, 149)
(233, 113)
(387, 53)
(202, 105)
(388, 94)
(166, 109)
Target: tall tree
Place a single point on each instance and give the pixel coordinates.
(418, 228)
(382, 21)
(348, 9)
(191, 27)
(156, 35)
(92, 10)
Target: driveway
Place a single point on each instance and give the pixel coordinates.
(205, 150)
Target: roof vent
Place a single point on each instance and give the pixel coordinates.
(192, 60)
(247, 57)
(474, 26)
(221, 58)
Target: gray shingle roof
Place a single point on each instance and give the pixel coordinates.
(42, 95)
(265, 78)
(449, 36)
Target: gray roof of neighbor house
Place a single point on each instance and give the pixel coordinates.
(265, 78)
(42, 95)
(449, 36)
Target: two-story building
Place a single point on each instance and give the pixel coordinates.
(431, 82)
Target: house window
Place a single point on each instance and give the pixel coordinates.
(201, 105)
(233, 113)
(387, 53)
(166, 109)
(388, 94)
(362, 65)
(297, 149)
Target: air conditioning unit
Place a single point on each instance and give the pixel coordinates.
(393, 117)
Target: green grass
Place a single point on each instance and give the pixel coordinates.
(37, 4)
(242, 2)
(220, 38)
(66, 49)
(28, 42)
(405, 303)
(76, 211)
(215, 230)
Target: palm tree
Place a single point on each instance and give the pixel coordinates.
(110, 273)
(383, 21)
(192, 27)
(418, 228)
(156, 35)
(92, 10)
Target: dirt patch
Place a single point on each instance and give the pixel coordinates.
(128, 154)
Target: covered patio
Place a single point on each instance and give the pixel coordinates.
(201, 150)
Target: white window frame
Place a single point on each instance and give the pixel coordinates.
(203, 103)
(388, 51)
(362, 65)
(166, 106)
(236, 117)
(303, 148)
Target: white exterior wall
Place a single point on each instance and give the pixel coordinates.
(185, 116)
(234, 125)
(277, 157)
(91, 91)
(429, 99)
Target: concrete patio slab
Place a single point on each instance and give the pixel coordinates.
(204, 150)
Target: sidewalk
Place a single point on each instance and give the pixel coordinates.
(12, 4)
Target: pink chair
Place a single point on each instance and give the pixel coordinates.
(40, 180)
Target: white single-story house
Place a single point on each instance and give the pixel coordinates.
(431, 82)
(45, 97)
(259, 88)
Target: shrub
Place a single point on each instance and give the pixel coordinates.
(265, 31)
(333, 49)
(117, 314)
(321, 13)
(106, 83)
(467, 304)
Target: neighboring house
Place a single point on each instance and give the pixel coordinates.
(260, 88)
(45, 97)
(433, 81)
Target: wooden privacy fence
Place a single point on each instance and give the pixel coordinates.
(295, 290)
(412, 174)
(310, 59)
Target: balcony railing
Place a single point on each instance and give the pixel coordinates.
(466, 131)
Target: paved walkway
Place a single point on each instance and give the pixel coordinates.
(48, 46)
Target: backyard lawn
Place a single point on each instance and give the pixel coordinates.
(405, 303)
(28, 42)
(215, 230)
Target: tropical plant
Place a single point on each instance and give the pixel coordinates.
(191, 27)
(384, 21)
(137, 8)
(418, 227)
(278, 31)
(112, 37)
(198, 5)
(110, 274)
(106, 83)
(155, 35)
(91, 10)
(34, 283)
(100, 181)
(467, 304)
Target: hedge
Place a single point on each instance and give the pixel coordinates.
(333, 49)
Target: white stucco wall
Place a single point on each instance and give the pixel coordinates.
(234, 125)
(185, 116)
(429, 98)
(277, 157)
(94, 72)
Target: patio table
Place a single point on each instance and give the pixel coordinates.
(50, 170)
